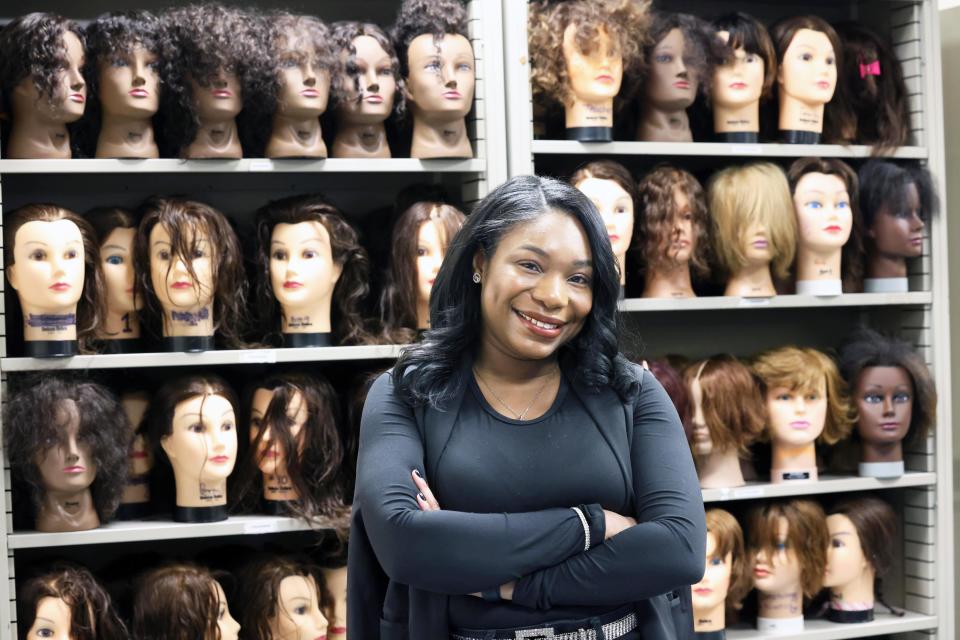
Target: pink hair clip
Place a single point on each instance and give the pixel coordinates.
(871, 69)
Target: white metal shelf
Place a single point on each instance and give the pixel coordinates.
(825, 485)
(247, 165)
(883, 623)
(716, 303)
(719, 149)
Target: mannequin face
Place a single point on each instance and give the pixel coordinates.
(430, 253)
(302, 269)
(796, 418)
(174, 286)
(304, 84)
(130, 84)
(899, 233)
(70, 92)
(808, 70)
(116, 257)
(845, 560)
(616, 208)
(298, 611)
(595, 76)
(229, 628)
(271, 457)
(683, 241)
(702, 443)
(672, 83)
(824, 216)
(442, 75)
(336, 581)
(377, 84)
(203, 444)
(222, 99)
(740, 82)
(53, 619)
(757, 249)
(884, 398)
(712, 589)
(135, 406)
(48, 269)
(778, 572)
(68, 466)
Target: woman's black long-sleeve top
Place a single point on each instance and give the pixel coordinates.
(457, 552)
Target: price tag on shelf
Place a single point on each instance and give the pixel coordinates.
(261, 164)
(748, 492)
(257, 356)
(746, 149)
(755, 302)
(260, 527)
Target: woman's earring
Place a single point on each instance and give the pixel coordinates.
(476, 277)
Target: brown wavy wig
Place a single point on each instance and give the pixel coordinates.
(352, 288)
(398, 302)
(92, 614)
(800, 369)
(701, 50)
(729, 536)
(732, 407)
(92, 307)
(176, 602)
(656, 212)
(258, 592)
(313, 457)
(749, 34)
(868, 348)
(344, 33)
(33, 420)
(607, 170)
(187, 221)
(626, 22)
(807, 536)
(853, 251)
(419, 17)
(876, 525)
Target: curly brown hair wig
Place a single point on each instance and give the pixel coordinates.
(92, 614)
(419, 17)
(807, 536)
(732, 406)
(176, 602)
(258, 594)
(344, 33)
(655, 218)
(749, 34)
(625, 21)
(729, 536)
(701, 50)
(33, 424)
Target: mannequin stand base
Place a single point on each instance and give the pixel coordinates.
(133, 511)
(50, 348)
(799, 137)
(294, 340)
(711, 635)
(122, 346)
(881, 469)
(743, 137)
(819, 287)
(780, 625)
(189, 344)
(886, 285)
(778, 476)
(849, 617)
(277, 507)
(200, 514)
(590, 134)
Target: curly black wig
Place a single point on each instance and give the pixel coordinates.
(884, 184)
(32, 422)
(344, 33)
(419, 17)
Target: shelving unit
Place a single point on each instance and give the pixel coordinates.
(724, 149)
(825, 485)
(884, 624)
(247, 165)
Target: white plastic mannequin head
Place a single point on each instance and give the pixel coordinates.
(53, 620)
(270, 455)
(777, 571)
(116, 255)
(808, 68)
(430, 251)
(726, 579)
(796, 417)
(298, 610)
(176, 288)
(48, 266)
(740, 81)
(702, 443)
(303, 272)
(336, 582)
(442, 76)
(824, 213)
(846, 563)
(711, 591)
(228, 628)
(595, 76)
(613, 192)
(860, 552)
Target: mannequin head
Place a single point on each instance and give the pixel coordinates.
(862, 531)
(283, 598)
(306, 62)
(897, 203)
(370, 88)
(419, 243)
(748, 69)
(727, 578)
(728, 412)
(135, 404)
(45, 245)
(307, 237)
(67, 446)
(116, 230)
(788, 545)
(674, 219)
(66, 601)
(753, 218)
(805, 397)
(171, 229)
(181, 602)
(680, 60)
(613, 192)
(677, 389)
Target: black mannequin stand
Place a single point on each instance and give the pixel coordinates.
(133, 511)
(277, 507)
(788, 136)
(50, 348)
(123, 346)
(743, 137)
(293, 340)
(200, 514)
(590, 134)
(189, 344)
(849, 617)
(712, 635)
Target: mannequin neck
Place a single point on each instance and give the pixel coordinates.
(296, 137)
(673, 282)
(126, 137)
(881, 451)
(122, 325)
(49, 324)
(355, 140)
(439, 136)
(581, 113)
(664, 125)
(796, 115)
(719, 470)
(713, 619)
(856, 596)
(277, 487)
(306, 319)
(137, 489)
(216, 139)
(32, 136)
(196, 321)
(753, 280)
(885, 265)
(799, 458)
(67, 511)
(729, 119)
(193, 492)
(622, 261)
(819, 265)
(780, 605)
(423, 314)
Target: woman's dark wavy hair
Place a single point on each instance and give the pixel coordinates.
(92, 614)
(33, 424)
(176, 602)
(258, 593)
(883, 185)
(314, 472)
(111, 35)
(429, 372)
(202, 40)
(344, 33)
(419, 17)
(351, 289)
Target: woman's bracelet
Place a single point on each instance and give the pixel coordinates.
(586, 527)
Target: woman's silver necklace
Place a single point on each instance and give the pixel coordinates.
(523, 413)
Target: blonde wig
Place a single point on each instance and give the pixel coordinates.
(729, 536)
(801, 369)
(741, 197)
(732, 406)
(807, 536)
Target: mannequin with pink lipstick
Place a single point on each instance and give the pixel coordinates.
(41, 85)
(726, 579)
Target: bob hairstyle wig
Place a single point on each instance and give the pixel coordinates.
(729, 540)
(801, 369)
(176, 602)
(733, 409)
(876, 525)
(807, 537)
(749, 34)
(429, 372)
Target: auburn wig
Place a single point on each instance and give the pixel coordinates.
(176, 602)
(807, 537)
(678, 391)
(732, 406)
(729, 540)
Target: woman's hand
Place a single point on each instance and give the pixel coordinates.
(616, 523)
(424, 496)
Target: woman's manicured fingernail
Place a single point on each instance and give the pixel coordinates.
(417, 473)
(422, 497)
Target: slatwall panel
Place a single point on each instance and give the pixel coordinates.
(8, 590)
(905, 30)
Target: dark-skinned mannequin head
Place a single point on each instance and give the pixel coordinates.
(181, 602)
(727, 577)
(116, 231)
(281, 597)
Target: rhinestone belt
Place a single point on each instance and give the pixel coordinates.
(611, 630)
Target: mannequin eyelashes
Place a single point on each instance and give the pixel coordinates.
(182, 601)
(283, 597)
(41, 85)
(116, 230)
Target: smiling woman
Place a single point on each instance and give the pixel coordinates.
(514, 407)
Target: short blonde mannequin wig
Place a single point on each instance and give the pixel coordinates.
(800, 369)
(729, 536)
(741, 197)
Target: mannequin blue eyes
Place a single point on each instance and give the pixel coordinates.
(716, 561)
(780, 546)
(300, 611)
(876, 398)
(44, 633)
(200, 428)
(115, 260)
(663, 58)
